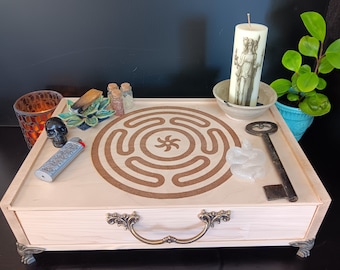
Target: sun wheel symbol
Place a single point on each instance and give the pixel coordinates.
(167, 143)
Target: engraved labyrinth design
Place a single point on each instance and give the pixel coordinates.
(164, 152)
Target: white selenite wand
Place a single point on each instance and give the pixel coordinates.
(249, 47)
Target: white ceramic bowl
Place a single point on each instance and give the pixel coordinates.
(267, 97)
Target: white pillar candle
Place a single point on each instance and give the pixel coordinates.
(248, 54)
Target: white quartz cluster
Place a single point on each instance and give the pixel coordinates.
(247, 162)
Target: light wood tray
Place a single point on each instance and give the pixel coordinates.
(164, 160)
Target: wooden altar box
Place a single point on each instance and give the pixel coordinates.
(157, 177)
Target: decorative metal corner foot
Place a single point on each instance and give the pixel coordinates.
(27, 253)
(304, 247)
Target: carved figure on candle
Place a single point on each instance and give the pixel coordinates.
(246, 68)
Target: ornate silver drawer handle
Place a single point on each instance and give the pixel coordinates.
(208, 218)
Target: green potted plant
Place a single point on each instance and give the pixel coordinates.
(303, 91)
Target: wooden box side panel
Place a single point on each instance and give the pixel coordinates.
(314, 180)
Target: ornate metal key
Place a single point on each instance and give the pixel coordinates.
(263, 129)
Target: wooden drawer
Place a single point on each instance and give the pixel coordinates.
(89, 227)
(122, 171)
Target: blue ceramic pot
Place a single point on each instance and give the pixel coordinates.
(297, 121)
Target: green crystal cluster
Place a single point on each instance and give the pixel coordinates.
(95, 113)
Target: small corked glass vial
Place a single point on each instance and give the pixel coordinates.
(127, 95)
(116, 101)
(110, 87)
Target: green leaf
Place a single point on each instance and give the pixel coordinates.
(325, 67)
(333, 53)
(315, 24)
(92, 121)
(305, 69)
(309, 94)
(294, 79)
(281, 86)
(316, 105)
(322, 84)
(292, 60)
(293, 97)
(307, 82)
(309, 46)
